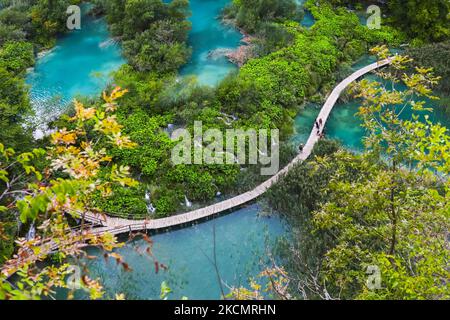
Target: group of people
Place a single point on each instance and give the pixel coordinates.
(318, 124)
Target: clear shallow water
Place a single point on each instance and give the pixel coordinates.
(308, 19)
(80, 64)
(241, 239)
(207, 35)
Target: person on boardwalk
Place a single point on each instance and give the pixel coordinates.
(300, 147)
(320, 122)
(317, 125)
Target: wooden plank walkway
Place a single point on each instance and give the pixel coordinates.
(118, 225)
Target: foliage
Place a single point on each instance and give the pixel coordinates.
(15, 24)
(346, 26)
(14, 108)
(435, 56)
(16, 57)
(7, 232)
(271, 37)
(62, 189)
(386, 208)
(48, 18)
(276, 286)
(121, 202)
(425, 20)
(153, 32)
(252, 14)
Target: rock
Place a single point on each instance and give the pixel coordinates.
(218, 53)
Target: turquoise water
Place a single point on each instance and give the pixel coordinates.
(80, 65)
(207, 35)
(241, 239)
(308, 19)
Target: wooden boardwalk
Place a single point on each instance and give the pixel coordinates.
(118, 225)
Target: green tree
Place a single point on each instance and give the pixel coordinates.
(16, 57)
(251, 14)
(49, 18)
(427, 20)
(153, 32)
(14, 108)
(47, 195)
(435, 55)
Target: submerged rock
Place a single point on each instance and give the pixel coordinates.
(219, 53)
(243, 53)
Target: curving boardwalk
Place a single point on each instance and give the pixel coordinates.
(118, 225)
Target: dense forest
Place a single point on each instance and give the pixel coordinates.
(387, 206)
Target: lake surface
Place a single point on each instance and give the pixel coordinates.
(242, 238)
(79, 65)
(209, 34)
